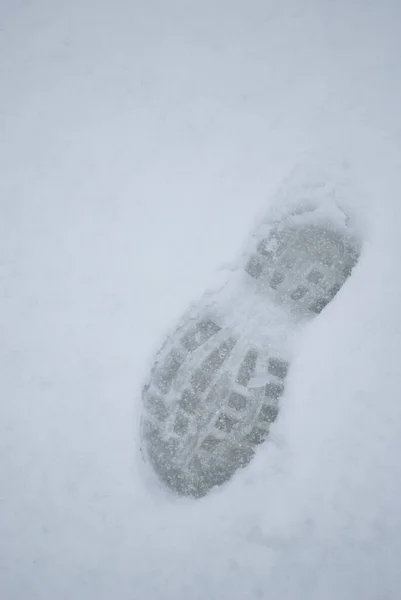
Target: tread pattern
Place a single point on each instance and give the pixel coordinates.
(198, 435)
(305, 266)
(213, 396)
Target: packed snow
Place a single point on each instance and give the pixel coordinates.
(140, 144)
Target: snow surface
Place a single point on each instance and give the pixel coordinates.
(139, 144)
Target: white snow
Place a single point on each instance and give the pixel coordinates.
(139, 144)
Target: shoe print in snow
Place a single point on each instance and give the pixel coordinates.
(216, 383)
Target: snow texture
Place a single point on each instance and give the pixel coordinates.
(140, 142)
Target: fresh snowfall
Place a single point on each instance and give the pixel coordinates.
(154, 154)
